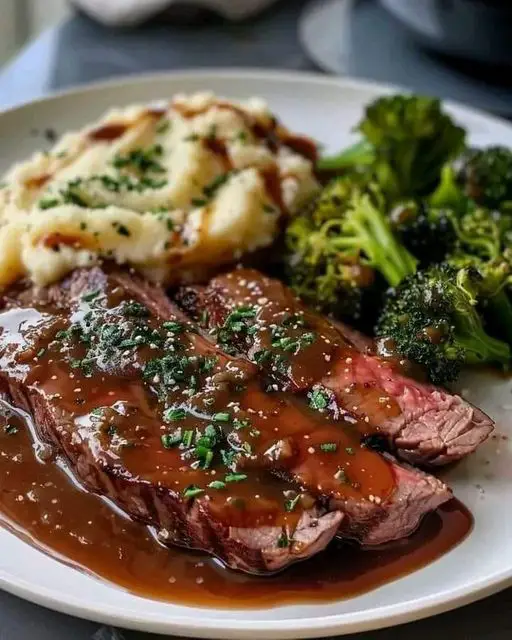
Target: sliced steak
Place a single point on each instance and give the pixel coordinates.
(284, 448)
(101, 365)
(302, 351)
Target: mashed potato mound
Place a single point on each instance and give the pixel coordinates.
(173, 190)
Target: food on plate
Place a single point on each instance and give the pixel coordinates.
(175, 190)
(428, 270)
(339, 245)
(432, 319)
(406, 141)
(206, 330)
(421, 423)
(485, 176)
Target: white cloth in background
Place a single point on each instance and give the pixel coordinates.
(132, 12)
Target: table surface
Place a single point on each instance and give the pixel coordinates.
(79, 51)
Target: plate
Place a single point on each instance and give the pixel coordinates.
(327, 109)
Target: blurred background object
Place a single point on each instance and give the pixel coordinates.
(405, 42)
(132, 12)
(478, 30)
(23, 19)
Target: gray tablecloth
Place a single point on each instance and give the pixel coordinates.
(79, 51)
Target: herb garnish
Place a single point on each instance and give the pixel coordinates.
(235, 477)
(192, 491)
(142, 160)
(172, 415)
(10, 429)
(217, 484)
(318, 399)
(290, 505)
(283, 541)
(170, 440)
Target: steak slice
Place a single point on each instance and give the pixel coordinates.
(423, 424)
(286, 439)
(76, 355)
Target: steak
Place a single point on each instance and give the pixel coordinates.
(72, 356)
(181, 435)
(301, 351)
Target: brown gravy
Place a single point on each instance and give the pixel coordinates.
(43, 506)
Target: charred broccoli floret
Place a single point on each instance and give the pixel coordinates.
(338, 245)
(406, 140)
(432, 319)
(486, 176)
(428, 233)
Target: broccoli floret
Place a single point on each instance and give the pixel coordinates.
(492, 280)
(486, 176)
(428, 233)
(432, 319)
(412, 139)
(340, 245)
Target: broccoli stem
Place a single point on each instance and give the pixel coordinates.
(385, 253)
(482, 348)
(359, 154)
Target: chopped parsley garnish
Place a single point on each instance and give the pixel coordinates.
(41, 352)
(318, 399)
(229, 457)
(221, 417)
(262, 356)
(290, 505)
(187, 438)
(211, 189)
(208, 363)
(10, 429)
(135, 310)
(217, 484)
(330, 447)
(193, 137)
(48, 203)
(235, 477)
(198, 202)
(349, 450)
(92, 295)
(170, 440)
(173, 415)
(192, 491)
(142, 160)
(174, 327)
(241, 423)
(283, 541)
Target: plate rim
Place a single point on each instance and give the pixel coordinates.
(313, 626)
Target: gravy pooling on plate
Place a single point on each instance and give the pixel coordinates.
(41, 504)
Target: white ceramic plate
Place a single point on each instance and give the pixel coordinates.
(326, 109)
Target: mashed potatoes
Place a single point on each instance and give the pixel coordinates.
(172, 190)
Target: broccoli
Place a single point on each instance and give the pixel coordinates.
(406, 140)
(428, 233)
(340, 245)
(492, 278)
(485, 176)
(432, 319)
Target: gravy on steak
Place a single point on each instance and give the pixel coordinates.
(42, 505)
